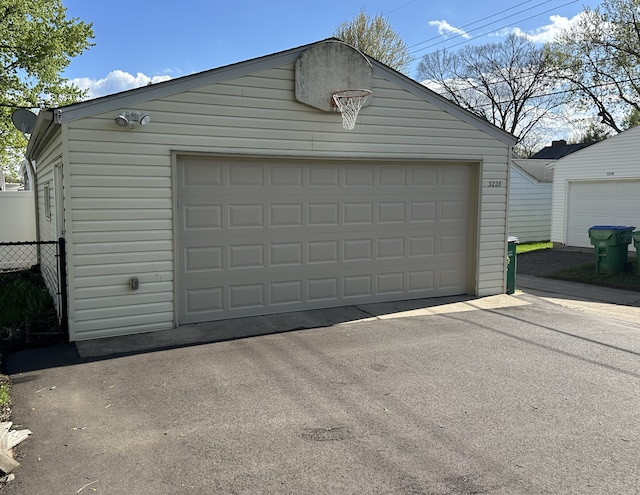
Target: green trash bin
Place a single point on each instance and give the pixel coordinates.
(636, 244)
(511, 264)
(611, 243)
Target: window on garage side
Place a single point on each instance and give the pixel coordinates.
(47, 200)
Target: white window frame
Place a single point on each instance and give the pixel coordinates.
(47, 200)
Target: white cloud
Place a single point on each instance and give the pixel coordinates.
(115, 82)
(546, 33)
(445, 28)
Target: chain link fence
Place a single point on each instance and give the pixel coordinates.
(33, 298)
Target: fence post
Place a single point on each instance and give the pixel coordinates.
(62, 268)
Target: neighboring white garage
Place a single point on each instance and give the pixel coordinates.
(598, 185)
(238, 191)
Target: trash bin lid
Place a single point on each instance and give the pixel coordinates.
(610, 227)
(513, 238)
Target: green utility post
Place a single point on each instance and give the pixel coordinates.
(511, 265)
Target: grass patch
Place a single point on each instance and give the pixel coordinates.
(533, 246)
(586, 274)
(5, 394)
(5, 398)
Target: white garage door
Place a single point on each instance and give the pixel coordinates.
(268, 236)
(601, 203)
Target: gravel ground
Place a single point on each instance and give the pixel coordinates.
(547, 261)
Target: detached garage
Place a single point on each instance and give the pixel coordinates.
(598, 185)
(239, 191)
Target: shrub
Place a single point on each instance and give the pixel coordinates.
(24, 302)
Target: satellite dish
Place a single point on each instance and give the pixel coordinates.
(24, 120)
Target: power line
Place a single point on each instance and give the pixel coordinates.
(488, 24)
(475, 22)
(554, 93)
(404, 5)
(497, 29)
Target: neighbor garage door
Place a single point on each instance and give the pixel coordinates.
(265, 236)
(601, 203)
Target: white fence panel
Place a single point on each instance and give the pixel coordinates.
(17, 216)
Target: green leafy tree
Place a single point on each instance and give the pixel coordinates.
(594, 133)
(37, 42)
(375, 37)
(506, 83)
(600, 59)
(632, 119)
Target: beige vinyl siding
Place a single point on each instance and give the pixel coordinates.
(45, 165)
(45, 171)
(529, 208)
(121, 180)
(122, 224)
(613, 159)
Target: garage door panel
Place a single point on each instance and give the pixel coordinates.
(450, 278)
(246, 296)
(358, 250)
(452, 246)
(271, 236)
(246, 299)
(423, 175)
(286, 292)
(245, 216)
(208, 256)
(392, 283)
(362, 176)
(203, 301)
(601, 203)
(391, 248)
(421, 281)
(200, 173)
(202, 259)
(198, 218)
(283, 254)
(285, 176)
(243, 175)
(285, 215)
(421, 246)
(201, 217)
(453, 211)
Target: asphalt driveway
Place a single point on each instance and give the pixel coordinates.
(505, 395)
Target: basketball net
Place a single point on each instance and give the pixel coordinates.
(349, 103)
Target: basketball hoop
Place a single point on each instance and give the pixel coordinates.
(349, 103)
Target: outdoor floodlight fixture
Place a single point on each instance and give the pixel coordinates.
(122, 120)
(129, 119)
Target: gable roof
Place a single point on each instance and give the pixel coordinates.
(620, 148)
(558, 149)
(538, 170)
(173, 86)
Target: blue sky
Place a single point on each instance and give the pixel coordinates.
(142, 40)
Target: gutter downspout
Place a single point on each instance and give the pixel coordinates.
(34, 181)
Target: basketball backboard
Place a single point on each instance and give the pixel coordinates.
(327, 67)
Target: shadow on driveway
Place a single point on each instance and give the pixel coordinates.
(211, 332)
